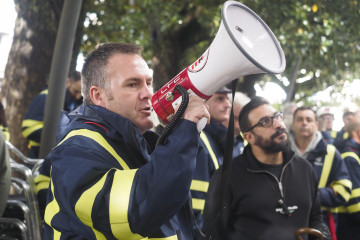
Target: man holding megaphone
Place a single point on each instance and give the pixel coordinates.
(107, 179)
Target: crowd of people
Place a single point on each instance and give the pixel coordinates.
(107, 178)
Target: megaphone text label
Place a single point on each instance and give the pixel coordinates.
(199, 64)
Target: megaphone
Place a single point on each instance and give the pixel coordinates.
(243, 45)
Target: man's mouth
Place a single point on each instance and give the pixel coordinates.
(278, 133)
(146, 109)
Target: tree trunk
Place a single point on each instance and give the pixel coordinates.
(30, 58)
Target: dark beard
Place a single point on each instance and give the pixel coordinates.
(270, 146)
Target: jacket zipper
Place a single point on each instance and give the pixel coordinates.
(277, 180)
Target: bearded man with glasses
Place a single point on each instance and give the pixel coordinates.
(272, 192)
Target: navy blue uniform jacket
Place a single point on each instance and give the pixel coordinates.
(105, 184)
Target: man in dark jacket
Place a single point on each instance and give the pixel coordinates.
(272, 192)
(330, 169)
(349, 214)
(33, 122)
(107, 179)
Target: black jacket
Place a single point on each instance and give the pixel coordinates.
(254, 210)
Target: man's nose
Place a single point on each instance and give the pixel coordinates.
(227, 104)
(277, 122)
(146, 92)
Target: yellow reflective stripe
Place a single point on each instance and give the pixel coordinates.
(341, 190)
(353, 208)
(44, 92)
(346, 135)
(333, 134)
(348, 209)
(209, 148)
(327, 166)
(355, 193)
(42, 182)
(84, 205)
(198, 204)
(50, 211)
(165, 238)
(97, 137)
(350, 154)
(31, 126)
(340, 209)
(33, 143)
(201, 186)
(119, 204)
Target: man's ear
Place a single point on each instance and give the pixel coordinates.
(249, 137)
(68, 82)
(97, 95)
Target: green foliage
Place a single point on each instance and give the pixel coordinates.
(323, 34)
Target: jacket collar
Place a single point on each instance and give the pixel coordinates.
(253, 164)
(110, 124)
(351, 145)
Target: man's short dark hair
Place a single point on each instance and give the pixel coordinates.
(347, 113)
(244, 114)
(94, 72)
(303, 108)
(74, 76)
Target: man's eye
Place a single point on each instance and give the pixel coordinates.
(265, 121)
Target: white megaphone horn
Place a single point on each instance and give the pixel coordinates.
(244, 45)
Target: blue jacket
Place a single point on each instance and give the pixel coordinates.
(349, 215)
(107, 183)
(340, 139)
(33, 122)
(211, 156)
(332, 175)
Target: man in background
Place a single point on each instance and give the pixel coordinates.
(349, 214)
(331, 172)
(240, 100)
(32, 124)
(272, 192)
(325, 123)
(343, 134)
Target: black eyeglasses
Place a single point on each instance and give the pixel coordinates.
(267, 121)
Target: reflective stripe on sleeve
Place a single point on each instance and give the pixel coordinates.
(119, 204)
(31, 126)
(209, 148)
(351, 154)
(355, 193)
(201, 186)
(84, 205)
(42, 182)
(198, 204)
(341, 187)
(51, 210)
